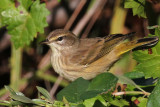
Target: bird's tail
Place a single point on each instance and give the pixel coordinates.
(138, 43)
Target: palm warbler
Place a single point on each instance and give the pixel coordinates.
(73, 57)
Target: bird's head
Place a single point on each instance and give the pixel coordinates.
(61, 39)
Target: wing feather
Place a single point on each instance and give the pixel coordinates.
(91, 49)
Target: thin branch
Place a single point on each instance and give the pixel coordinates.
(87, 16)
(52, 3)
(75, 14)
(45, 61)
(131, 92)
(56, 85)
(94, 18)
(145, 25)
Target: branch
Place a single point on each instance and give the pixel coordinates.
(131, 92)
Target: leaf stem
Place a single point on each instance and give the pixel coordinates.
(16, 63)
(131, 92)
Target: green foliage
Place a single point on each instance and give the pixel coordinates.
(141, 101)
(119, 103)
(19, 99)
(90, 102)
(29, 17)
(23, 22)
(81, 89)
(10, 90)
(149, 64)
(134, 75)
(102, 83)
(138, 7)
(153, 100)
(77, 93)
(73, 91)
(125, 80)
(44, 92)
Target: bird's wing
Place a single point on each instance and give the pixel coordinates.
(106, 60)
(91, 49)
(111, 41)
(87, 51)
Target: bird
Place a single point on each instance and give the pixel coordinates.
(73, 57)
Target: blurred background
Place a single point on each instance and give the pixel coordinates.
(86, 18)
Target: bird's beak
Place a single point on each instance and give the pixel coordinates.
(45, 42)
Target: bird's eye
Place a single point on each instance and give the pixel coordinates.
(60, 39)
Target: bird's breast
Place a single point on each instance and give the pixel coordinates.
(57, 62)
(62, 65)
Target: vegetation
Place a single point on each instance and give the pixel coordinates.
(25, 20)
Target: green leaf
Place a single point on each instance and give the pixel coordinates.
(134, 75)
(149, 64)
(38, 14)
(39, 101)
(153, 100)
(58, 104)
(17, 103)
(81, 89)
(73, 91)
(101, 83)
(44, 92)
(157, 31)
(26, 4)
(143, 102)
(19, 97)
(22, 99)
(120, 103)
(4, 4)
(89, 94)
(10, 90)
(20, 94)
(138, 7)
(90, 102)
(5, 103)
(23, 22)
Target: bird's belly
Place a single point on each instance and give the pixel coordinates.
(72, 71)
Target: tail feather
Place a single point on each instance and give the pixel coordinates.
(127, 46)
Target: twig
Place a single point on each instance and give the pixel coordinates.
(86, 17)
(52, 3)
(51, 78)
(131, 92)
(45, 61)
(56, 85)
(94, 18)
(75, 14)
(145, 25)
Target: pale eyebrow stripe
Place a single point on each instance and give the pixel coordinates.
(54, 38)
